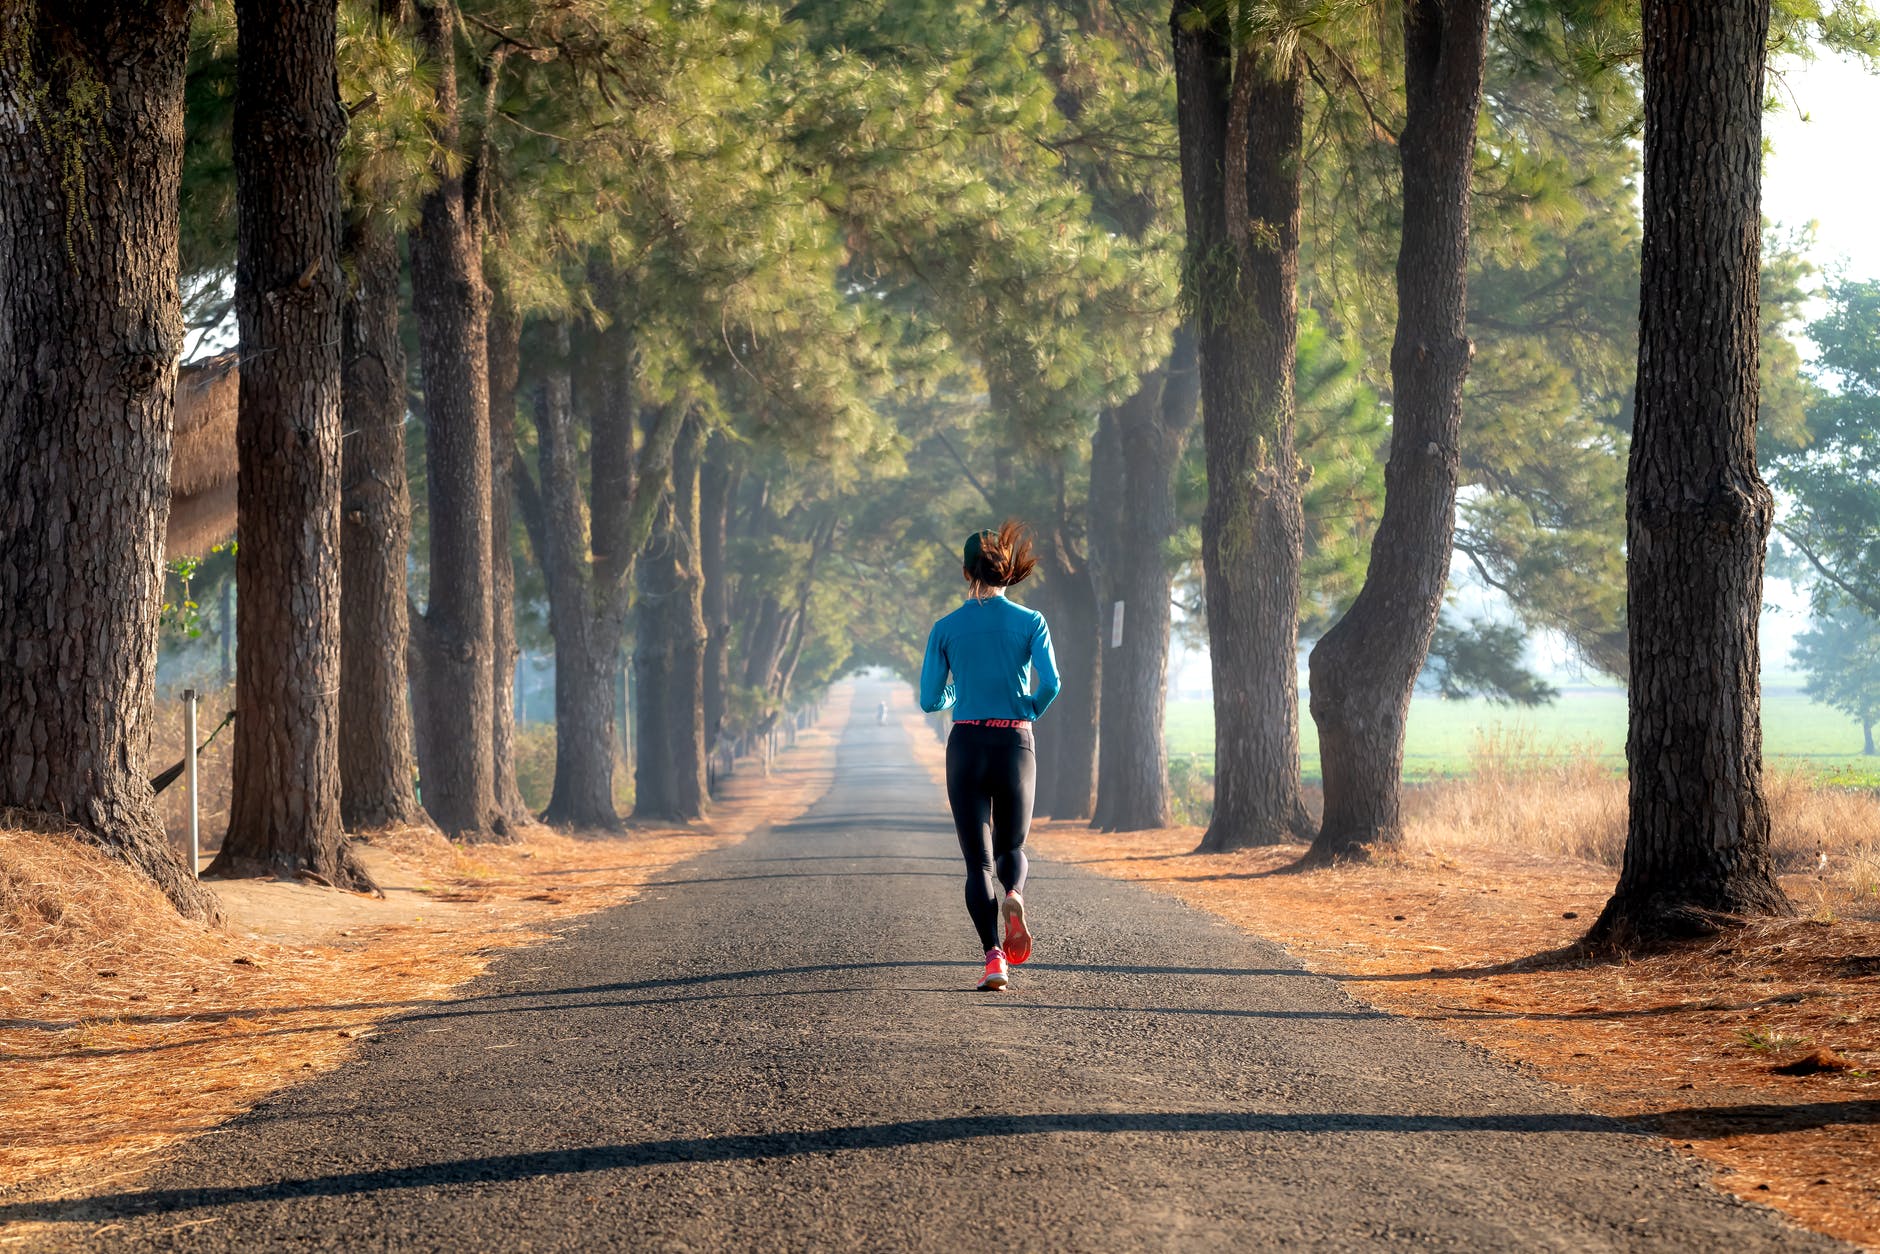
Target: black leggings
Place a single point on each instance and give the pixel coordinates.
(991, 772)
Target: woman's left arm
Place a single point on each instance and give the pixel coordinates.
(1044, 662)
(936, 687)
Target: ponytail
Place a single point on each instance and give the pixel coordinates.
(999, 559)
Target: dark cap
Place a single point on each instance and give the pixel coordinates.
(975, 544)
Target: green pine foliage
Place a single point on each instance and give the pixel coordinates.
(901, 254)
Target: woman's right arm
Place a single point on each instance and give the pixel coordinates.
(936, 686)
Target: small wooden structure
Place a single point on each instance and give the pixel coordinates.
(202, 465)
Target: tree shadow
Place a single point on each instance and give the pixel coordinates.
(649, 985)
(531, 1165)
(1203, 1011)
(1704, 1123)
(1567, 956)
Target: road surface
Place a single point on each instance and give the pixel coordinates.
(779, 1047)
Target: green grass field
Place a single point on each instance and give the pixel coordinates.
(1796, 731)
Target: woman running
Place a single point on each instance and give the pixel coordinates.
(990, 648)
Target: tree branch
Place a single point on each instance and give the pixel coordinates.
(967, 471)
(1865, 600)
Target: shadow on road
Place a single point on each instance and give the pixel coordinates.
(1687, 1123)
(543, 999)
(522, 1166)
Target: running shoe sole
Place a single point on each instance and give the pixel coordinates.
(993, 983)
(1017, 940)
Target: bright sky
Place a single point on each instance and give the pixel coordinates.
(1821, 166)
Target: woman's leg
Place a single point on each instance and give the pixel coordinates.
(1014, 771)
(972, 812)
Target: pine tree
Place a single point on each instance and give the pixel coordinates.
(1697, 511)
(1242, 116)
(92, 326)
(1365, 668)
(284, 813)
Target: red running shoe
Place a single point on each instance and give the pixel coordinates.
(996, 977)
(1017, 939)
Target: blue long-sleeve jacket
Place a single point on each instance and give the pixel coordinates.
(990, 648)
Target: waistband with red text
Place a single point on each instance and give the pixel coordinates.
(992, 722)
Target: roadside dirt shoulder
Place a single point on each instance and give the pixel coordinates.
(1759, 1053)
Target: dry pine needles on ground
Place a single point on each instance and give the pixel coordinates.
(124, 1028)
(1689, 1044)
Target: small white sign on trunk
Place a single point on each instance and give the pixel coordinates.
(1116, 625)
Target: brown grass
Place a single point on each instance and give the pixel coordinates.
(124, 1028)
(1564, 800)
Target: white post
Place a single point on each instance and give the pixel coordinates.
(189, 759)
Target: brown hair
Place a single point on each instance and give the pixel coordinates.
(999, 559)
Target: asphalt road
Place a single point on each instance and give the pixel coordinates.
(780, 1048)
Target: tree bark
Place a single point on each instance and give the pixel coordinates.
(451, 304)
(669, 650)
(1151, 430)
(225, 628)
(1047, 743)
(1067, 735)
(91, 323)
(717, 485)
(583, 793)
(505, 361)
(763, 643)
(589, 566)
(375, 747)
(284, 811)
(1243, 286)
(1106, 541)
(1697, 511)
(1365, 668)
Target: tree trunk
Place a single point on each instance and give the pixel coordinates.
(589, 566)
(763, 643)
(1243, 281)
(1697, 512)
(669, 651)
(284, 811)
(505, 355)
(1365, 668)
(1073, 716)
(1106, 541)
(375, 746)
(786, 671)
(717, 485)
(583, 794)
(225, 628)
(1067, 735)
(1866, 735)
(585, 740)
(1151, 430)
(689, 634)
(90, 327)
(451, 305)
(1047, 742)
